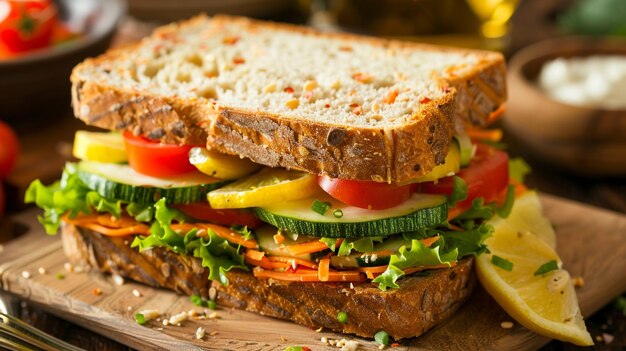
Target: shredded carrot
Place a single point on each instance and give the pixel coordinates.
(375, 271)
(495, 115)
(493, 135)
(126, 231)
(279, 238)
(263, 262)
(310, 247)
(308, 276)
(455, 212)
(255, 255)
(324, 269)
(391, 96)
(293, 261)
(221, 231)
(429, 241)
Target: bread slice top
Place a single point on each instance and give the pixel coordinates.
(344, 101)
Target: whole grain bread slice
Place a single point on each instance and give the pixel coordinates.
(422, 301)
(347, 106)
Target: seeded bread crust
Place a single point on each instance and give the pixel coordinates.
(385, 153)
(421, 302)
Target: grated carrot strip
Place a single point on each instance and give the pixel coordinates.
(323, 271)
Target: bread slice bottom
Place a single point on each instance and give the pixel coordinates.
(422, 301)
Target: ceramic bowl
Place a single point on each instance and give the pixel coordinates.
(35, 87)
(585, 140)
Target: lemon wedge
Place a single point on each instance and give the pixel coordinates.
(219, 165)
(268, 186)
(544, 303)
(99, 147)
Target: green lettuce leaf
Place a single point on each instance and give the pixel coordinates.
(215, 252)
(72, 196)
(330, 242)
(360, 245)
(468, 242)
(417, 255)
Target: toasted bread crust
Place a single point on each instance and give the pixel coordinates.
(391, 154)
(421, 302)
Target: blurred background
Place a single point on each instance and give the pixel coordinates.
(566, 113)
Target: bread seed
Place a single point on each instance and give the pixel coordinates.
(377, 118)
(375, 107)
(303, 151)
(506, 325)
(336, 85)
(335, 137)
(310, 85)
(293, 103)
(270, 88)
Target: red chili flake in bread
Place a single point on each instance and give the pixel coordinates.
(230, 40)
(425, 100)
(238, 60)
(327, 105)
(288, 90)
(96, 291)
(345, 48)
(362, 78)
(357, 110)
(391, 96)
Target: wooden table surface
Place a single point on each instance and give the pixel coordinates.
(46, 147)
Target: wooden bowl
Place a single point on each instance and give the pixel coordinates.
(35, 87)
(585, 140)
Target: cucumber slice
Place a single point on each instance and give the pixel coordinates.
(379, 257)
(420, 211)
(121, 182)
(265, 237)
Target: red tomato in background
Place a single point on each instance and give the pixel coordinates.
(26, 25)
(486, 176)
(364, 194)
(156, 159)
(9, 148)
(230, 217)
(1, 200)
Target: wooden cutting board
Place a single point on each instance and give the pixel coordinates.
(591, 243)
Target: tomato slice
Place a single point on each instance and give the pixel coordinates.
(486, 176)
(156, 159)
(364, 194)
(230, 217)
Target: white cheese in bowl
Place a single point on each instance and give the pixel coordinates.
(592, 81)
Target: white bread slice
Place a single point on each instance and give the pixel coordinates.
(347, 106)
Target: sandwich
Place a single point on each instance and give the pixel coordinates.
(333, 180)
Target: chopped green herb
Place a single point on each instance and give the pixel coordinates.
(297, 348)
(196, 300)
(338, 213)
(59, 276)
(505, 210)
(547, 267)
(502, 263)
(199, 301)
(382, 337)
(320, 207)
(342, 317)
(140, 319)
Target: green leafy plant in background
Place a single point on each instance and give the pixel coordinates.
(595, 17)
